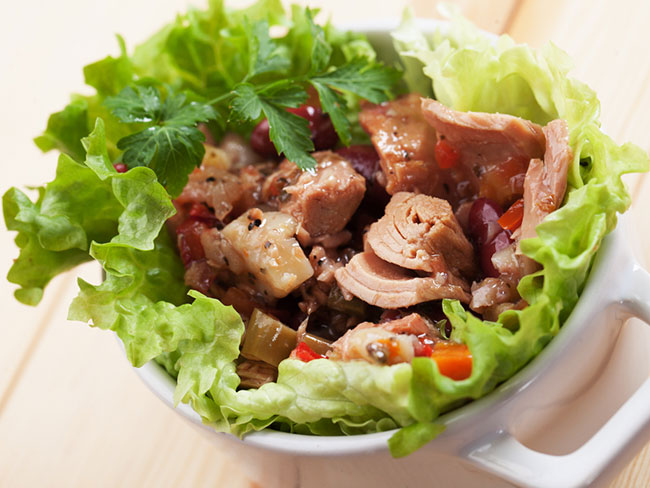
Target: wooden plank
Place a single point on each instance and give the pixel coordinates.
(493, 16)
(608, 44)
(80, 417)
(54, 46)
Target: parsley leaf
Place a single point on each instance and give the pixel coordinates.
(269, 78)
(171, 145)
(289, 133)
(263, 52)
(333, 104)
(371, 81)
(321, 51)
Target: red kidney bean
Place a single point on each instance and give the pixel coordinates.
(189, 240)
(261, 142)
(363, 158)
(486, 251)
(120, 167)
(322, 130)
(488, 235)
(483, 217)
(365, 161)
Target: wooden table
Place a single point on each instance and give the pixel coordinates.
(72, 412)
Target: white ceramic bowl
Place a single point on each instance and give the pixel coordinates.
(481, 438)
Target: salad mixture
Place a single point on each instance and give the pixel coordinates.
(318, 238)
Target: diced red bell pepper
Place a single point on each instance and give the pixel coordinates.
(423, 348)
(446, 155)
(512, 218)
(305, 353)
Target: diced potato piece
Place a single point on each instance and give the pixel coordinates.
(274, 260)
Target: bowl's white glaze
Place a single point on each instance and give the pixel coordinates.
(479, 437)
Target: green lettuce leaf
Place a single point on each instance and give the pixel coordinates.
(110, 75)
(84, 203)
(65, 129)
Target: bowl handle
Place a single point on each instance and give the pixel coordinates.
(604, 454)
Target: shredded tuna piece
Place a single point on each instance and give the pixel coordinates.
(492, 291)
(251, 189)
(546, 180)
(482, 138)
(406, 143)
(325, 263)
(421, 233)
(494, 149)
(462, 215)
(328, 241)
(273, 190)
(323, 201)
(314, 295)
(389, 286)
(513, 265)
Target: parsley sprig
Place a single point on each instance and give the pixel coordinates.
(171, 143)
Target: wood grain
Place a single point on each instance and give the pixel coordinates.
(72, 413)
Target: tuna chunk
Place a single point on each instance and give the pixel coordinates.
(494, 149)
(492, 291)
(493, 296)
(386, 285)
(324, 201)
(546, 180)
(483, 138)
(387, 343)
(406, 145)
(421, 233)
